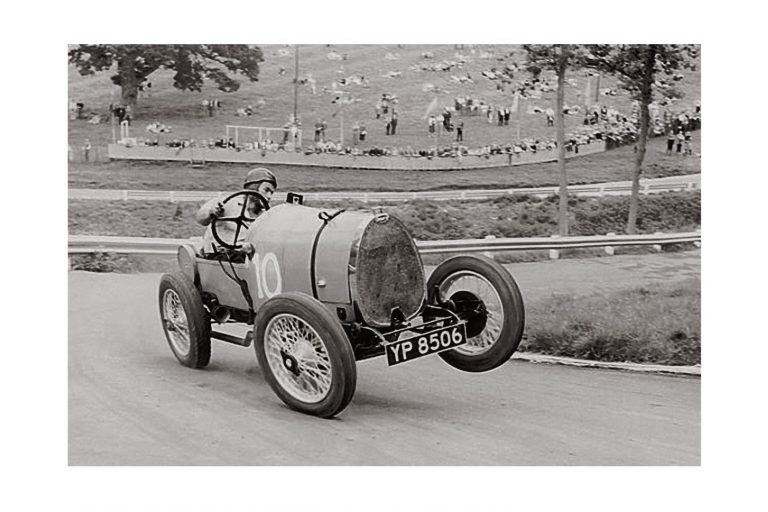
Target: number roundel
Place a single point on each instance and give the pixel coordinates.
(262, 264)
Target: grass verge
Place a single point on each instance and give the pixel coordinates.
(658, 324)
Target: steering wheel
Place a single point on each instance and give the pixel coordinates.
(241, 221)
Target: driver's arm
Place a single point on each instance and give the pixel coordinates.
(208, 211)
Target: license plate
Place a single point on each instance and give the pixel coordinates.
(424, 344)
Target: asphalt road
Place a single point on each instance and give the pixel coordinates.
(131, 403)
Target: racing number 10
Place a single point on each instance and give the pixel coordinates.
(261, 265)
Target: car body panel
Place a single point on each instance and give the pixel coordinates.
(294, 243)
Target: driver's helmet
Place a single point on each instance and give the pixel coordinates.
(258, 175)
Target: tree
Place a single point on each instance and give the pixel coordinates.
(192, 62)
(637, 67)
(559, 57)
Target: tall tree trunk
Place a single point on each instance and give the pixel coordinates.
(646, 94)
(129, 81)
(560, 127)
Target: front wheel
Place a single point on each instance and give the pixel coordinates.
(305, 354)
(486, 296)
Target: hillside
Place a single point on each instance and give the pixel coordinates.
(184, 112)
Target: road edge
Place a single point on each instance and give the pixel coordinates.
(585, 363)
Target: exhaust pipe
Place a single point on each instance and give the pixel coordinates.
(220, 314)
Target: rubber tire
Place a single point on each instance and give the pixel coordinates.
(512, 304)
(328, 327)
(197, 317)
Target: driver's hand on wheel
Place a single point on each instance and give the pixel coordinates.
(217, 211)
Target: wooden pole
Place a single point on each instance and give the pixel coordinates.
(296, 86)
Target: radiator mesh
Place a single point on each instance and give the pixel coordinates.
(389, 272)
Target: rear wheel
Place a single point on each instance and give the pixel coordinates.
(485, 295)
(305, 354)
(185, 320)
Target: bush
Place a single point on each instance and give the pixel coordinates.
(99, 262)
(508, 216)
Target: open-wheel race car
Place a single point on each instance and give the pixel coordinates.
(326, 288)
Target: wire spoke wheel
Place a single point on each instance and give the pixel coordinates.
(305, 354)
(486, 296)
(479, 294)
(298, 358)
(175, 320)
(185, 321)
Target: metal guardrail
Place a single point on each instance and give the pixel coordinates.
(366, 197)
(81, 244)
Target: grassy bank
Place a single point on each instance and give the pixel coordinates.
(509, 216)
(654, 324)
(413, 86)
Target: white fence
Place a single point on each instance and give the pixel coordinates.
(80, 244)
(599, 190)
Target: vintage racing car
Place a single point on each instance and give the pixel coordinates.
(326, 288)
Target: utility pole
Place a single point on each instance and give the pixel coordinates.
(296, 86)
(597, 90)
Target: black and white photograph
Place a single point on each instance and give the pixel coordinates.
(402, 240)
(322, 263)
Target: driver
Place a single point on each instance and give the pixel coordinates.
(261, 180)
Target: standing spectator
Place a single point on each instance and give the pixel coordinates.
(323, 127)
(286, 132)
(551, 118)
(460, 131)
(447, 120)
(389, 127)
(318, 130)
(489, 112)
(680, 139)
(500, 115)
(378, 109)
(294, 131)
(355, 134)
(211, 106)
(363, 132)
(80, 106)
(670, 141)
(87, 150)
(688, 149)
(128, 116)
(120, 113)
(431, 125)
(394, 122)
(506, 116)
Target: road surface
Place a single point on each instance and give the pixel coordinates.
(131, 403)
